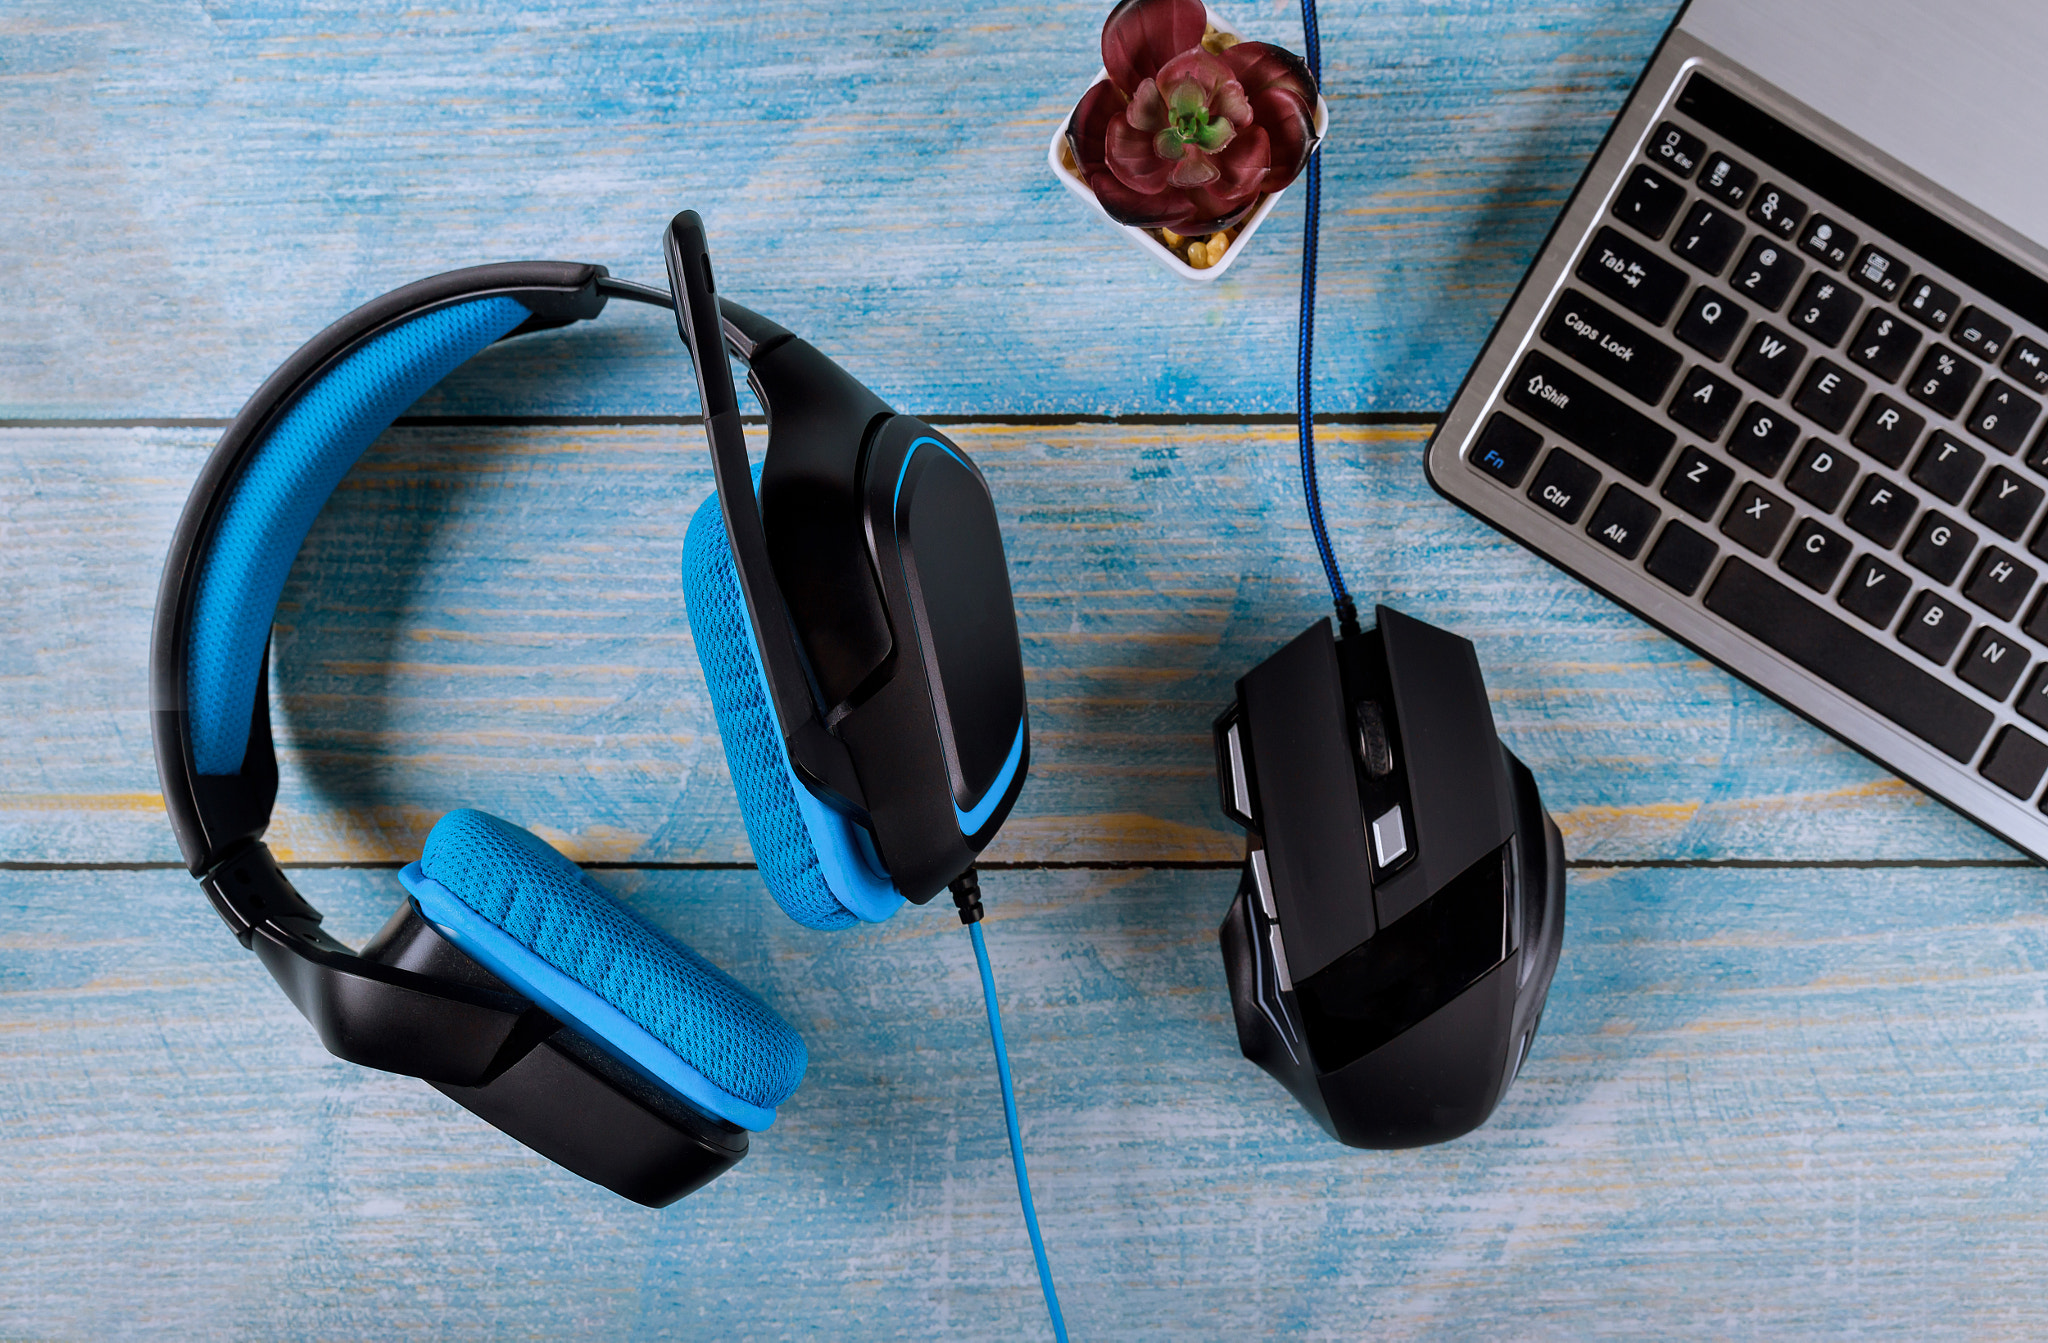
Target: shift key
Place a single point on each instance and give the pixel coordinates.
(1632, 275)
(1596, 420)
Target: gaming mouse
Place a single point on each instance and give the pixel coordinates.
(1401, 907)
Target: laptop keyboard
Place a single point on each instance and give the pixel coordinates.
(1803, 426)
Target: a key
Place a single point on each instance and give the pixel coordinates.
(1590, 417)
(1939, 547)
(1980, 333)
(1822, 475)
(1766, 273)
(1708, 237)
(1768, 359)
(2000, 583)
(1943, 380)
(2003, 417)
(1725, 178)
(1884, 345)
(1888, 430)
(1934, 627)
(1852, 662)
(1930, 301)
(1827, 242)
(1881, 510)
(1710, 323)
(1828, 395)
(1705, 402)
(1677, 149)
(1757, 518)
(1625, 271)
(1814, 555)
(1648, 201)
(1878, 271)
(1947, 467)
(1777, 211)
(1874, 591)
(1825, 309)
(1698, 483)
(2006, 503)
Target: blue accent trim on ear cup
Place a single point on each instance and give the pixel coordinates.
(817, 863)
(281, 489)
(491, 947)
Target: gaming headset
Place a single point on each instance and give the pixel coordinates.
(858, 639)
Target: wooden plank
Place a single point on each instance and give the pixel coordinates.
(492, 617)
(1777, 1103)
(193, 192)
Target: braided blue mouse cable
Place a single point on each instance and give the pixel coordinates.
(966, 890)
(1304, 382)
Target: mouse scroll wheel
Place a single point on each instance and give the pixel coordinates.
(1375, 752)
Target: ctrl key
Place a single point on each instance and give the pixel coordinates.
(1564, 485)
(1505, 449)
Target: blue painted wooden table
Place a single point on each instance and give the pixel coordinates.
(1789, 1078)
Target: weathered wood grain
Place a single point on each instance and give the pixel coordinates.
(493, 617)
(1764, 1103)
(191, 191)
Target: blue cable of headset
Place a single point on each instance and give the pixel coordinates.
(1304, 383)
(967, 895)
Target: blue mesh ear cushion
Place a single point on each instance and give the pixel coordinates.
(820, 866)
(527, 914)
(281, 489)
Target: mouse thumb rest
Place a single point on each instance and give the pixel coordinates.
(1401, 907)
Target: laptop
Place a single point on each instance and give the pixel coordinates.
(1775, 382)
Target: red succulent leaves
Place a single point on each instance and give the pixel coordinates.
(1182, 139)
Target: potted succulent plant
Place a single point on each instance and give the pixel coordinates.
(1188, 134)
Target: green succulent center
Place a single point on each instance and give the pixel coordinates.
(1189, 121)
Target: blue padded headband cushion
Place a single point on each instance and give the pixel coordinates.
(281, 489)
(819, 865)
(526, 913)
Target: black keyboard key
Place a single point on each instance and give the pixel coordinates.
(1677, 149)
(1822, 475)
(1944, 380)
(1874, 591)
(1708, 237)
(1591, 418)
(1505, 448)
(2038, 547)
(1648, 201)
(1933, 628)
(2001, 583)
(1612, 346)
(2033, 705)
(1756, 519)
(1852, 662)
(1993, 665)
(1947, 467)
(2015, 763)
(1631, 275)
(1778, 211)
(1884, 345)
(1881, 511)
(1827, 242)
(1814, 555)
(1698, 483)
(1767, 272)
(1723, 177)
(1763, 439)
(1768, 359)
(2007, 503)
(2028, 363)
(1622, 522)
(1888, 430)
(2003, 416)
(1681, 557)
(1565, 485)
(1931, 302)
(1878, 271)
(1710, 323)
(1705, 403)
(1981, 333)
(1939, 547)
(1828, 395)
(1825, 309)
